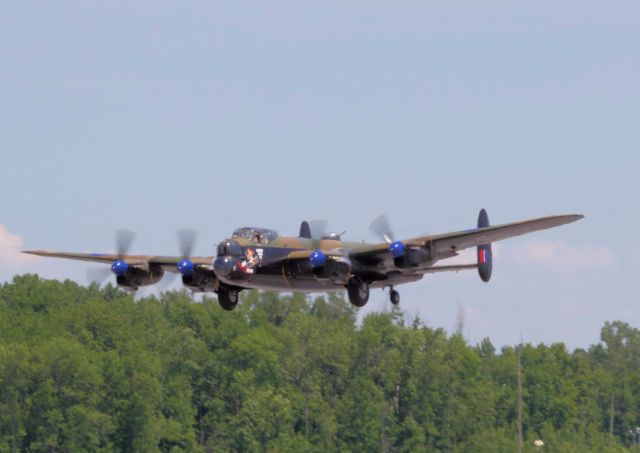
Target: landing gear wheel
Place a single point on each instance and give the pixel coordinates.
(228, 298)
(358, 292)
(394, 296)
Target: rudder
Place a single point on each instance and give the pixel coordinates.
(485, 255)
(305, 230)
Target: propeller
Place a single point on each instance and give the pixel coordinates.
(186, 242)
(319, 229)
(98, 274)
(123, 241)
(382, 228)
(316, 230)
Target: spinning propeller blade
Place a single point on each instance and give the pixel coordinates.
(382, 228)
(124, 239)
(98, 275)
(318, 228)
(186, 241)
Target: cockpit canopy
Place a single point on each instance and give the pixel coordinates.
(332, 236)
(257, 235)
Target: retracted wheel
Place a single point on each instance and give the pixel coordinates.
(358, 292)
(228, 298)
(394, 296)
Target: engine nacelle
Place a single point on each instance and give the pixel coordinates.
(135, 277)
(201, 280)
(335, 270)
(416, 257)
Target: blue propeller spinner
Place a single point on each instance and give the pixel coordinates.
(397, 249)
(185, 266)
(119, 267)
(317, 258)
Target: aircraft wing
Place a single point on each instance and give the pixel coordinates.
(168, 263)
(479, 236)
(448, 244)
(304, 254)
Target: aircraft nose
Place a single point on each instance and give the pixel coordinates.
(223, 266)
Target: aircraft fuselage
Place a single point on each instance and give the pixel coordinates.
(243, 264)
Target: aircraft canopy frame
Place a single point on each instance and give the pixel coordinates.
(256, 234)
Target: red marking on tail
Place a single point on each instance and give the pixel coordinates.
(482, 256)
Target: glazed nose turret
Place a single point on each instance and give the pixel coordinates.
(223, 266)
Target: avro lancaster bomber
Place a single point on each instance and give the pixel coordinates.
(258, 258)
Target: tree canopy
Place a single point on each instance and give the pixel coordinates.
(92, 369)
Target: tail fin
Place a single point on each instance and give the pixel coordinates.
(485, 256)
(305, 230)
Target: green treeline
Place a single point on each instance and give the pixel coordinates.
(90, 369)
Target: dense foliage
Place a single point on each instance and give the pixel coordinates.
(90, 369)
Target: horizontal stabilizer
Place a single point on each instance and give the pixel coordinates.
(452, 268)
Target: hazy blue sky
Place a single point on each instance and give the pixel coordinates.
(158, 115)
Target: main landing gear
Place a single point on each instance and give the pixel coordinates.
(358, 291)
(394, 296)
(228, 298)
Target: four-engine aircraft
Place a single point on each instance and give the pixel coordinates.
(258, 258)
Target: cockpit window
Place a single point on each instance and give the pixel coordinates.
(256, 235)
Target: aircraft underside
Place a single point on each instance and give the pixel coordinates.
(309, 284)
